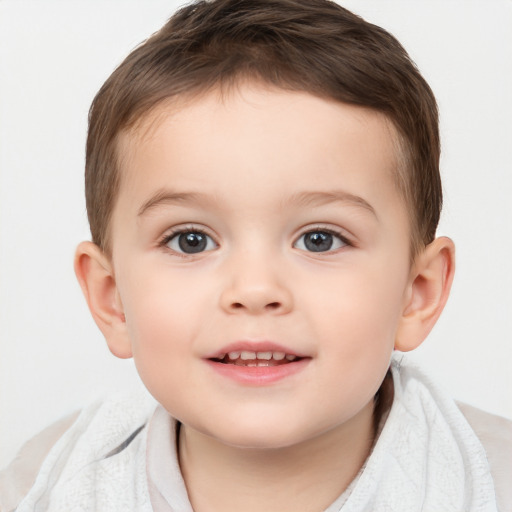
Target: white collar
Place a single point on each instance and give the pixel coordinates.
(427, 458)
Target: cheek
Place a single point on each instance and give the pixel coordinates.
(356, 317)
(363, 303)
(160, 302)
(164, 319)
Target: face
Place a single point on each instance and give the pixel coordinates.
(261, 257)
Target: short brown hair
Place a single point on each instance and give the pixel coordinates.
(312, 46)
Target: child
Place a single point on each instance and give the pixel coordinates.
(263, 193)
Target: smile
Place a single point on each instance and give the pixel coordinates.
(257, 364)
(250, 359)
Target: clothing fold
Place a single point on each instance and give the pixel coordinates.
(120, 455)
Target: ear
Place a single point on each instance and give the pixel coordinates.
(96, 277)
(428, 290)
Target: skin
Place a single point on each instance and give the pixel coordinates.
(255, 171)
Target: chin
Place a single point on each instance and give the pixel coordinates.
(259, 443)
(265, 436)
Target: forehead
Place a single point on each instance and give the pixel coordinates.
(259, 143)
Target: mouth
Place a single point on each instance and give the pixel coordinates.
(250, 358)
(257, 363)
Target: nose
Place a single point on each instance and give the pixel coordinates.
(257, 288)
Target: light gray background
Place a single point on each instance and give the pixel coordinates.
(53, 58)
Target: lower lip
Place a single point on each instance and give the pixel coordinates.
(258, 375)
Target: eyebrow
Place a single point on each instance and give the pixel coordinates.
(168, 197)
(321, 198)
(303, 199)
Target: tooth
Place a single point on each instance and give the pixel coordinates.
(290, 357)
(245, 354)
(252, 364)
(278, 356)
(234, 355)
(221, 356)
(264, 355)
(263, 363)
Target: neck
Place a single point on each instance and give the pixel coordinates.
(304, 477)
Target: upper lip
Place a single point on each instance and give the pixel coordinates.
(254, 346)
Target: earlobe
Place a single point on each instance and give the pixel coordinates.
(428, 290)
(95, 274)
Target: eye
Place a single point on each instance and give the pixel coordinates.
(189, 242)
(320, 240)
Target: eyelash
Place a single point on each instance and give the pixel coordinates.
(333, 232)
(192, 229)
(164, 241)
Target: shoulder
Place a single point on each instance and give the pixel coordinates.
(97, 432)
(495, 434)
(19, 476)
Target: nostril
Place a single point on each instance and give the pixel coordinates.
(271, 305)
(255, 306)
